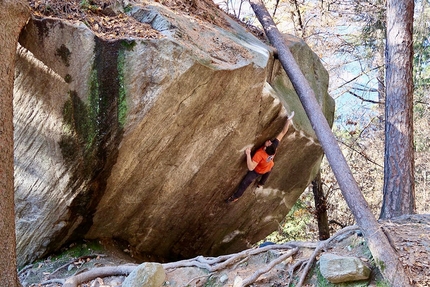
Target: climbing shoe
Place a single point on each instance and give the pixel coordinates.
(231, 199)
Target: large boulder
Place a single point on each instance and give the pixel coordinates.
(142, 140)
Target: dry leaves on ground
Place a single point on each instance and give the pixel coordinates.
(411, 237)
(101, 17)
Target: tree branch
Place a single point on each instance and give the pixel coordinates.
(360, 153)
(365, 100)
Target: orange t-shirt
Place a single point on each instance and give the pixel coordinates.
(264, 161)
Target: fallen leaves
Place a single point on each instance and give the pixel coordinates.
(412, 242)
(109, 21)
(97, 16)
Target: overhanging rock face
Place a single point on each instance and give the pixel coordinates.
(142, 140)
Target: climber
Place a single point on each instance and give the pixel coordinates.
(261, 164)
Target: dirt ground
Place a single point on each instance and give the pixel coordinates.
(107, 20)
(84, 256)
(410, 236)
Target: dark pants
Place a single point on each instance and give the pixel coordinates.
(248, 179)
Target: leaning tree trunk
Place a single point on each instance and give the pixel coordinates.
(399, 181)
(383, 253)
(13, 16)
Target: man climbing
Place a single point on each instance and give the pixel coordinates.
(261, 164)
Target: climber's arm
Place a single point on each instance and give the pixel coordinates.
(286, 127)
(249, 162)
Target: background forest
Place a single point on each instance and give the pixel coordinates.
(349, 37)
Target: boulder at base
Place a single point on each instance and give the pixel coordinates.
(141, 140)
(338, 269)
(146, 275)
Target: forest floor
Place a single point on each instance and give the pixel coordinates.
(106, 19)
(410, 235)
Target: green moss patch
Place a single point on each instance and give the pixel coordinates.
(93, 128)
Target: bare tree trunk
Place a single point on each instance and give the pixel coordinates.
(399, 181)
(13, 15)
(320, 208)
(383, 253)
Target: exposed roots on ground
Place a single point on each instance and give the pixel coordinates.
(251, 279)
(226, 262)
(75, 280)
(75, 261)
(291, 262)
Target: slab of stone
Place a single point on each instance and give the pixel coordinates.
(146, 274)
(338, 269)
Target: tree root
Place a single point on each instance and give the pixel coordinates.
(196, 278)
(58, 281)
(221, 262)
(73, 261)
(214, 264)
(299, 264)
(268, 267)
(211, 264)
(25, 269)
(75, 280)
(98, 272)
